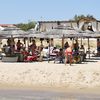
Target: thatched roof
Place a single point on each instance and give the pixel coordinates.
(66, 35)
(12, 33)
(53, 33)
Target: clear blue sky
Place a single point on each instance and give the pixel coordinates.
(17, 11)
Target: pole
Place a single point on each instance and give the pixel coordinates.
(28, 39)
(49, 50)
(81, 41)
(12, 44)
(63, 41)
(89, 48)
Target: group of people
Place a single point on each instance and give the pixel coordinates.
(71, 54)
(34, 52)
(12, 48)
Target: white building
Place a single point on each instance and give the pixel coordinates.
(83, 24)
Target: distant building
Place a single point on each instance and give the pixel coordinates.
(83, 24)
(47, 25)
(8, 27)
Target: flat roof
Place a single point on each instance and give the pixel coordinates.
(55, 21)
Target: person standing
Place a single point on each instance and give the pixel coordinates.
(19, 45)
(68, 55)
(33, 47)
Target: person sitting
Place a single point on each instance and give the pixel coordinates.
(7, 50)
(82, 48)
(68, 55)
(33, 56)
(60, 56)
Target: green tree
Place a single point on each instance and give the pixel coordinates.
(91, 17)
(79, 17)
(26, 26)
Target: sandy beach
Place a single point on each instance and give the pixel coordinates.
(44, 75)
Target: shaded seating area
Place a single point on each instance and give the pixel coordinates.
(31, 52)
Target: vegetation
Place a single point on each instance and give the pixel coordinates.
(79, 17)
(58, 46)
(26, 26)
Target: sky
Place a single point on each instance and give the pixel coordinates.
(22, 11)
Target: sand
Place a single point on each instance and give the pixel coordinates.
(43, 75)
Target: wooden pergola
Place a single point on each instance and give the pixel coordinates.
(62, 36)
